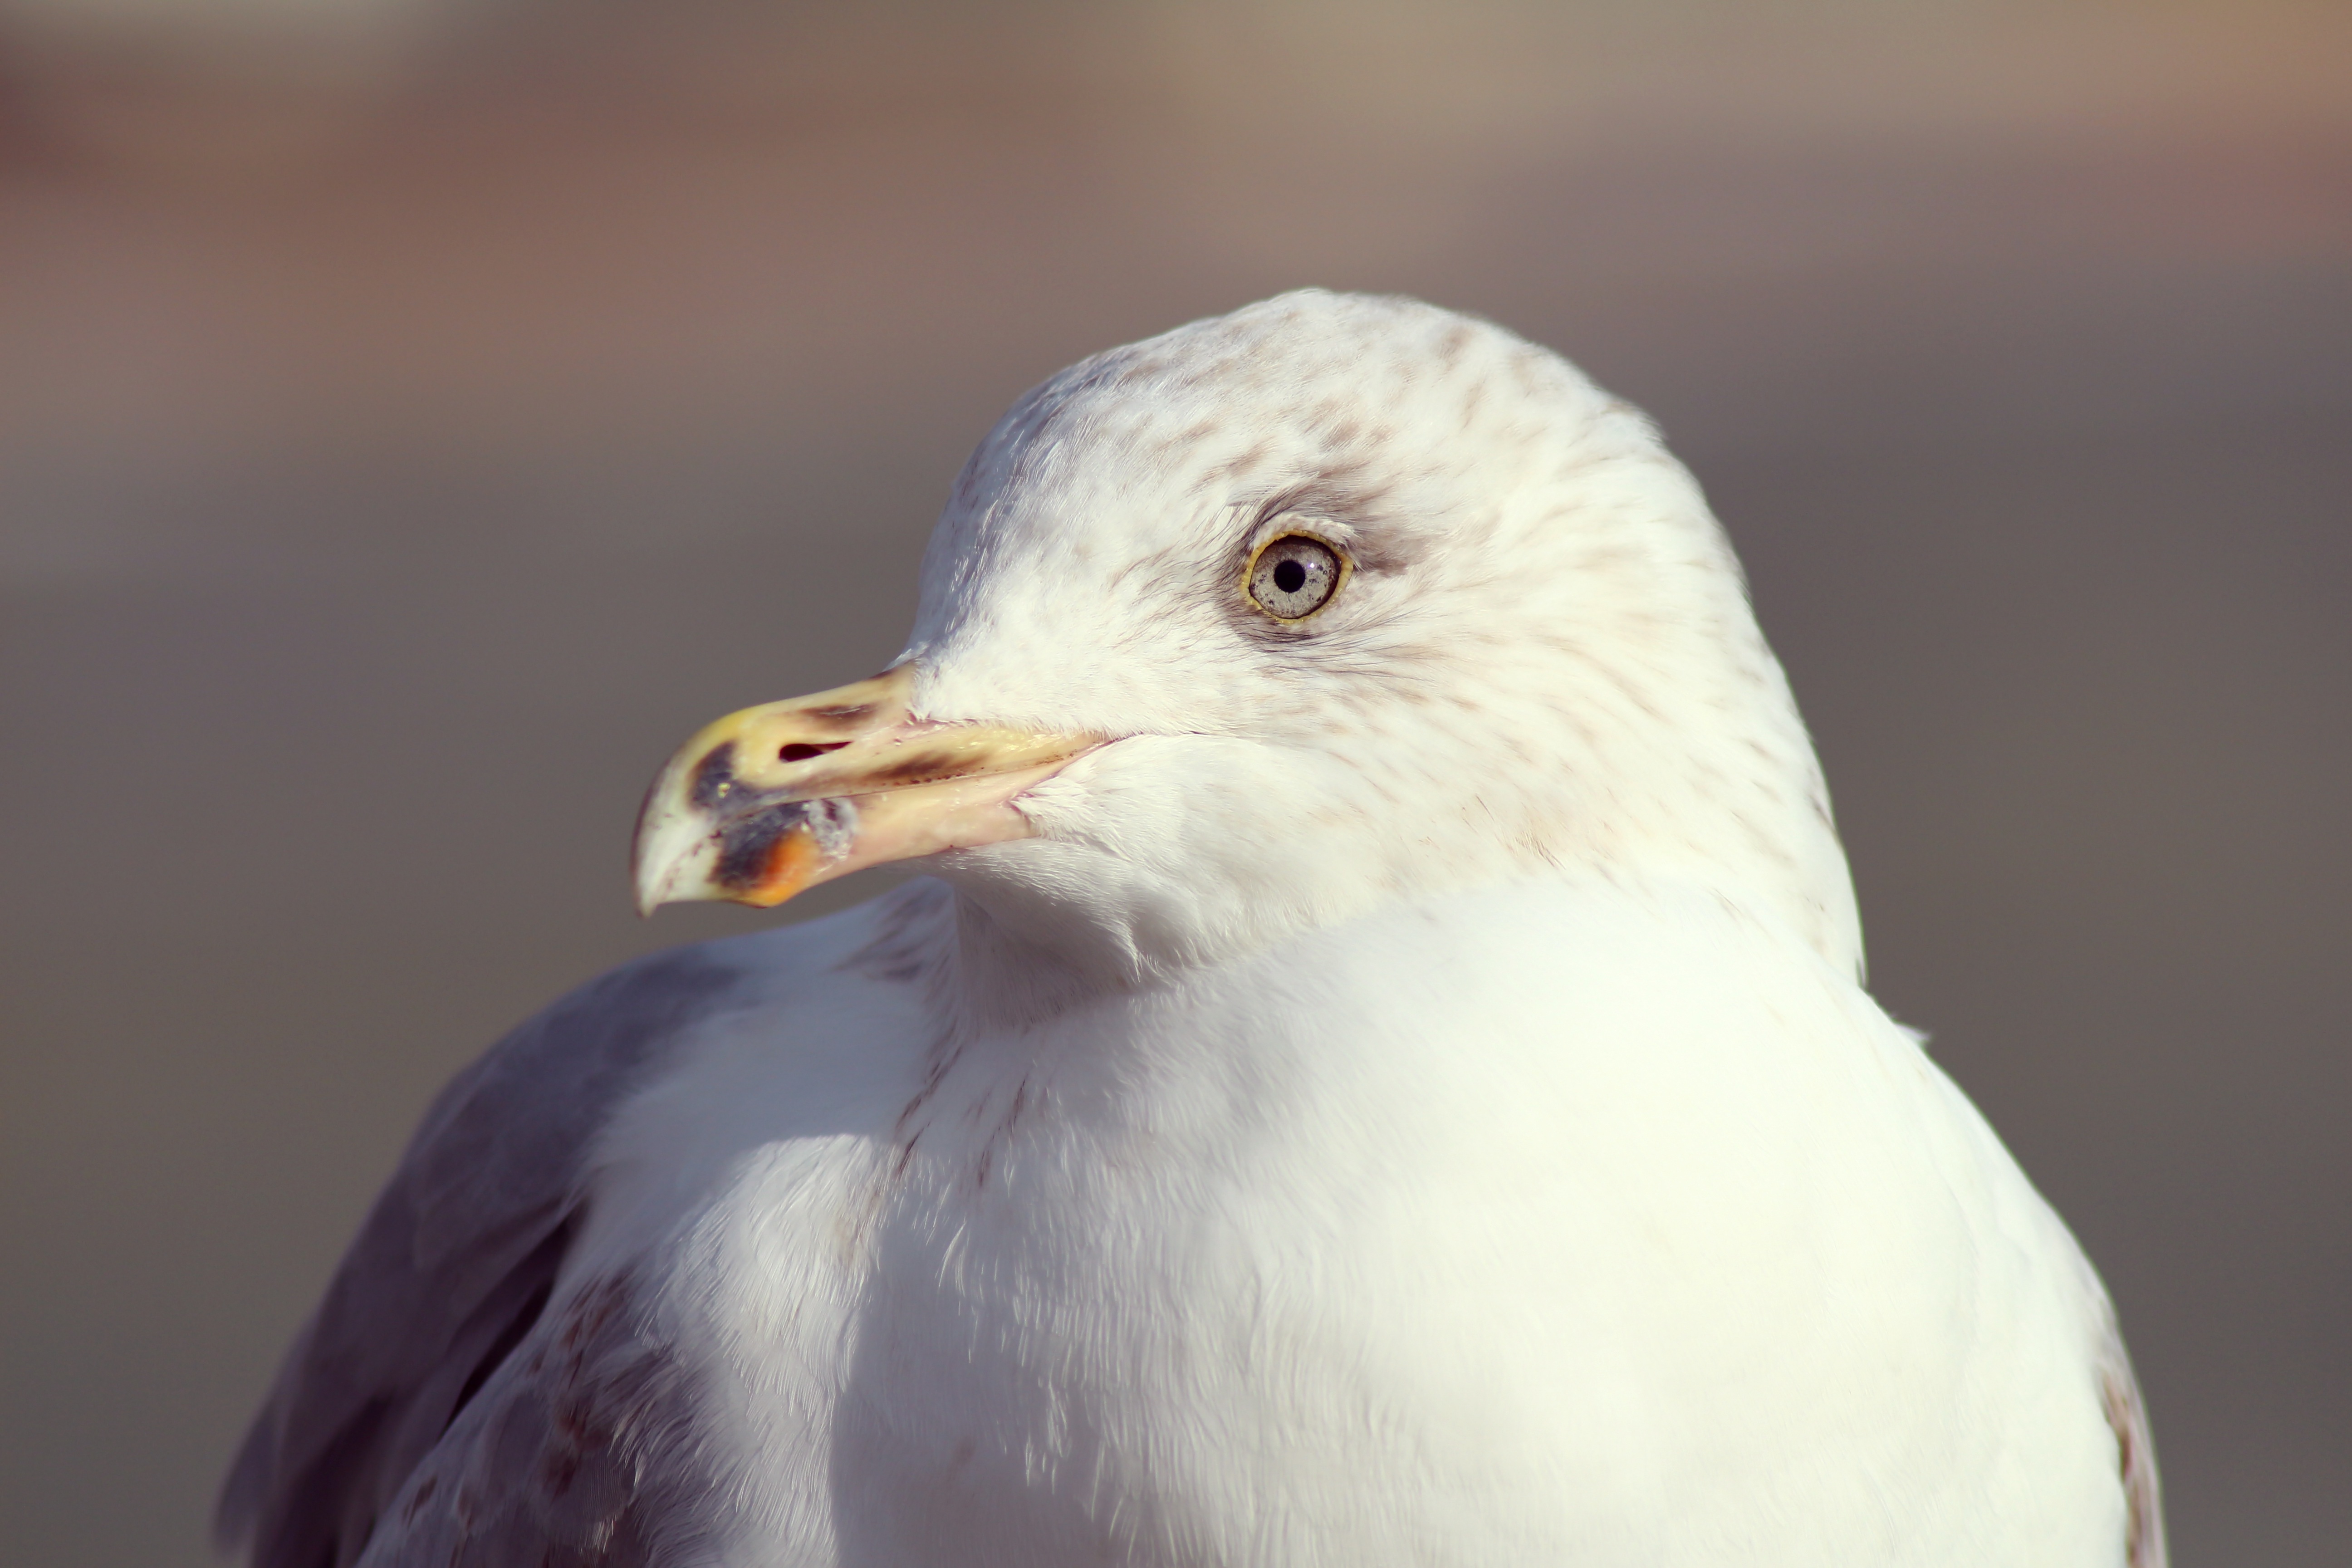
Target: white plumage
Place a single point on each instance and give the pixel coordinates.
(1401, 1094)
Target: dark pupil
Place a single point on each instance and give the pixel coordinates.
(1290, 577)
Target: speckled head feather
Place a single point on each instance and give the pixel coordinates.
(1542, 662)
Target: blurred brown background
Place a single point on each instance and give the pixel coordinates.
(416, 417)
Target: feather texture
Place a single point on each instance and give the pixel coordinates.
(452, 1270)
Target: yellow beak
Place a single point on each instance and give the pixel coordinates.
(777, 798)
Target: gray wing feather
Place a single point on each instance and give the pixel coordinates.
(450, 1273)
(580, 1452)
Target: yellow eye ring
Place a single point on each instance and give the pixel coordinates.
(1294, 575)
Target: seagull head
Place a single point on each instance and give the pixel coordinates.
(1332, 603)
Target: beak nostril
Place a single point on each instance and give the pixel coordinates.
(802, 751)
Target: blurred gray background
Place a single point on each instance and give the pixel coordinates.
(416, 418)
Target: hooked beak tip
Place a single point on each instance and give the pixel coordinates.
(770, 801)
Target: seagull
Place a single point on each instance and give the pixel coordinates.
(1378, 1071)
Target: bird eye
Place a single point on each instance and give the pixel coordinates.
(1293, 576)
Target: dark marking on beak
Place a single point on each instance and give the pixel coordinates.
(714, 776)
(921, 767)
(854, 712)
(751, 843)
(747, 845)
